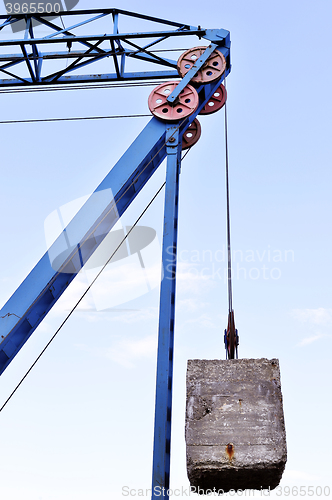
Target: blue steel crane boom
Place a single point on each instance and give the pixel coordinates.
(160, 139)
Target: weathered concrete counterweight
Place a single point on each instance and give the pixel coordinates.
(235, 431)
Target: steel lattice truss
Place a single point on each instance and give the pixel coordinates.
(69, 49)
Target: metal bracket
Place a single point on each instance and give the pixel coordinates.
(219, 36)
(172, 139)
(193, 70)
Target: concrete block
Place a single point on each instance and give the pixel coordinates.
(235, 430)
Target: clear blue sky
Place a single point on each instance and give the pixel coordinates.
(81, 426)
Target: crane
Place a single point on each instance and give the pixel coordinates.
(192, 86)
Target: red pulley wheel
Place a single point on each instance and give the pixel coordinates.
(216, 102)
(211, 70)
(186, 105)
(191, 135)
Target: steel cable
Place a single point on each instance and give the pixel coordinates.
(69, 119)
(79, 87)
(80, 299)
(229, 254)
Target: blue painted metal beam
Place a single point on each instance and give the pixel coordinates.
(93, 38)
(140, 53)
(111, 11)
(164, 382)
(16, 81)
(66, 31)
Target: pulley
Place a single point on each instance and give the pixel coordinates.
(231, 338)
(191, 135)
(186, 104)
(216, 102)
(211, 70)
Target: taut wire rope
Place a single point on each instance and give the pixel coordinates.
(229, 253)
(80, 299)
